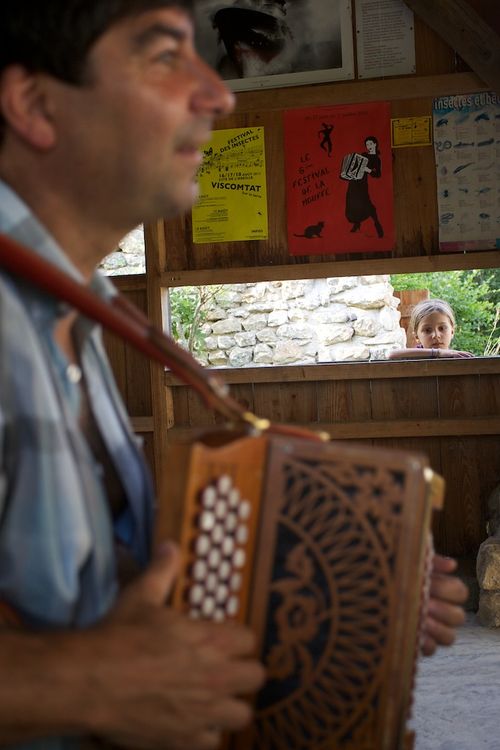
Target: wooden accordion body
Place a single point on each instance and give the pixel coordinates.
(323, 550)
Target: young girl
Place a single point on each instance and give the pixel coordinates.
(432, 323)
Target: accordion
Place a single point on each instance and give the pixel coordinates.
(323, 550)
(353, 167)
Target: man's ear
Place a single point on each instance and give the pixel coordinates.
(24, 107)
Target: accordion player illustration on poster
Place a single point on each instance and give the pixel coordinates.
(339, 179)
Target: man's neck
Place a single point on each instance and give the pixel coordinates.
(82, 237)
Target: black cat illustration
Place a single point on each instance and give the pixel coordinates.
(312, 231)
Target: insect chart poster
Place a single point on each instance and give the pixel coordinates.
(232, 203)
(467, 149)
(339, 179)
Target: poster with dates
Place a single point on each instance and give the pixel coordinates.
(467, 150)
(339, 179)
(232, 203)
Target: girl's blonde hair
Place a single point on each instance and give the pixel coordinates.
(428, 306)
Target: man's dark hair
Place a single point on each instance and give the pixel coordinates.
(55, 36)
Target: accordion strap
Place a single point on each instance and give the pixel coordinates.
(129, 323)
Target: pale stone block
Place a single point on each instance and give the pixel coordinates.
(240, 357)
(277, 318)
(488, 564)
(245, 338)
(255, 322)
(217, 359)
(488, 613)
(222, 327)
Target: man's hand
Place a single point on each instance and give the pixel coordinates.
(164, 680)
(445, 612)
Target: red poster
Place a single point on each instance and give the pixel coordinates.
(339, 179)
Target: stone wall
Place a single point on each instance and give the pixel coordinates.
(351, 318)
(129, 257)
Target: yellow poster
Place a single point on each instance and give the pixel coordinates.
(233, 199)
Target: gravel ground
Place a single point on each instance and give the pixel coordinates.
(457, 696)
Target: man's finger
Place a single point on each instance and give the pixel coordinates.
(155, 584)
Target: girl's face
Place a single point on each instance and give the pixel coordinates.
(435, 331)
(371, 147)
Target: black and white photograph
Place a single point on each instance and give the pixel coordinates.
(263, 44)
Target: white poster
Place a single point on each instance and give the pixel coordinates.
(261, 44)
(467, 150)
(385, 38)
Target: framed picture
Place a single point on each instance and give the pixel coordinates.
(259, 44)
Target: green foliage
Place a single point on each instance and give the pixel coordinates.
(188, 312)
(474, 297)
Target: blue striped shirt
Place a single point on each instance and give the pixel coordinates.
(57, 562)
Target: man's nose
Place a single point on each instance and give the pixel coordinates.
(212, 96)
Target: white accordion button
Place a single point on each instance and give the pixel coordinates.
(219, 615)
(202, 546)
(196, 594)
(208, 607)
(231, 521)
(208, 497)
(224, 484)
(218, 534)
(244, 510)
(228, 546)
(221, 594)
(214, 558)
(220, 509)
(211, 583)
(239, 558)
(235, 582)
(200, 570)
(207, 521)
(224, 570)
(234, 498)
(232, 606)
(242, 534)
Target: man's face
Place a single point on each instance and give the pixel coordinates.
(132, 135)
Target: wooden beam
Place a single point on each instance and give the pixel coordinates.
(351, 92)
(339, 371)
(416, 264)
(465, 31)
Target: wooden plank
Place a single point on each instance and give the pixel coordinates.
(465, 31)
(463, 517)
(417, 264)
(401, 398)
(298, 403)
(358, 371)
(489, 395)
(130, 282)
(459, 396)
(351, 92)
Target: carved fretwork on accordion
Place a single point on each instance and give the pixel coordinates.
(353, 166)
(321, 548)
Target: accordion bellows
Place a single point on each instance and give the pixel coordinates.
(322, 548)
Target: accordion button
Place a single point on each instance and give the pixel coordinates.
(242, 534)
(200, 570)
(219, 615)
(224, 484)
(232, 606)
(220, 509)
(244, 510)
(228, 546)
(214, 559)
(196, 594)
(208, 497)
(231, 521)
(239, 558)
(218, 534)
(235, 582)
(194, 614)
(221, 594)
(234, 498)
(224, 570)
(207, 521)
(202, 546)
(211, 583)
(208, 607)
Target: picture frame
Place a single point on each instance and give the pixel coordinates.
(257, 44)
